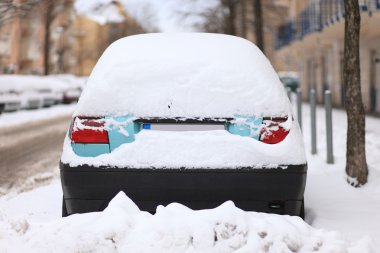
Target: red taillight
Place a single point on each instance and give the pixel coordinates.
(89, 130)
(273, 132)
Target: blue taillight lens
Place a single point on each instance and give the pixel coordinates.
(121, 130)
(245, 126)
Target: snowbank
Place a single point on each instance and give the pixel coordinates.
(331, 203)
(183, 75)
(21, 83)
(122, 227)
(70, 80)
(22, 117)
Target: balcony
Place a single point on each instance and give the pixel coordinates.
(314, 18)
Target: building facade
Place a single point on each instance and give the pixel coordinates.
(312, 43)
(92, 37)
(74, 42)
(22, 38)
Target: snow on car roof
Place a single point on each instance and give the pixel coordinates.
(183, 75)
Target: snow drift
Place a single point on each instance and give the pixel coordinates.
(122, 227)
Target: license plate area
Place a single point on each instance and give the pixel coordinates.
(183, 124)
(182, 127)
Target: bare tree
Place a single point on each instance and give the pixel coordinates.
(230, 7)
(356, 163)
(147, 18)
(243, 20)
(213, 20)
(9, 9)
(218, 18)
(50, 10)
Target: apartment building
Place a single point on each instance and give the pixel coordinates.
(312, 42)
(93, 37)
(75, 41)
(22, 38)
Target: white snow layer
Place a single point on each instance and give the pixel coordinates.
(194, 149)
(12, 119)
(122, 227)
(22, 83)
(183, 75)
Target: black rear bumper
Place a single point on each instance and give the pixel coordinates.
(87, 188)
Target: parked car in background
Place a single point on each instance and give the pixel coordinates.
(73, 89)
(49, 91)
(9, 96)
(197, 119)
(25, 86)
(31, 99)
(71, 95)
(33, 92)
(290, 80)
(9, 101)
(58, 87)
(48, 96)
(2, 105)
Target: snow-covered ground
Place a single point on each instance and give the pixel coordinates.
(331, 203)
(8, 119)
(31, 221)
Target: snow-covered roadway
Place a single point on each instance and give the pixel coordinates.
(31, 145)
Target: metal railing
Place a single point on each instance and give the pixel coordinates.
(318, 14)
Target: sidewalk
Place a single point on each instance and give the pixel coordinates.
(331, 203)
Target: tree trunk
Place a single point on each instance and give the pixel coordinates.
(356, 164)
(258, 24)
(231, 6)
(48, 20)
(243, 19)
(15, 42)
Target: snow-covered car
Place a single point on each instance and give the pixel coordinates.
(48, 96)
(9, 96)
(25, 86)
(9, 101)
(25, 90)
(31, 99)
(191, 118)
(71, 95)
(72, 89)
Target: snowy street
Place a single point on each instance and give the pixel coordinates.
(29, 218)
(31, 145)
(219, 126)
